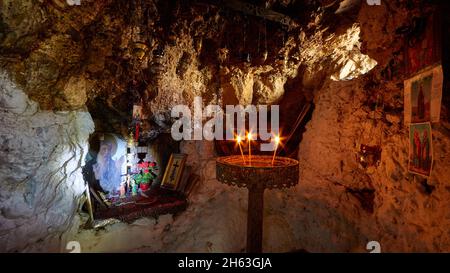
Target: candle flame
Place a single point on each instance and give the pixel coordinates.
(277, 140)
(249, 137)
(239, 140)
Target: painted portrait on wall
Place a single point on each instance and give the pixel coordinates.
(421, 99)
(423, 45)
(420, 149)
(423, 96)
(110, 164)
(137, 112)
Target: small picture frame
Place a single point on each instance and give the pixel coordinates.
(137, 112)
(423, 96)
(174, 171)
(420, 149)
(423, 47)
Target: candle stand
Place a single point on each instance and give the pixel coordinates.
(260, 175)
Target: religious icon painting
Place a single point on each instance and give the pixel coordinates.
(137, 112)
(420, 149)
(423, 96)
(174, 171)
(110, 164)
(423, 46)
(420, 98)
(137, 118)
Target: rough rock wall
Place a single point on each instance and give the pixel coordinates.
(102, 54)
(41, 153)
(330, 214)
(338, 205)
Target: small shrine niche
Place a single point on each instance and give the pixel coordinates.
(124, 177)
(369, 156)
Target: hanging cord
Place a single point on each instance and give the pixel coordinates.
(245, 32)
(218, 64)
(227, 34)
(265, 35)
(259, 38)
(219, 84)
(132, 8)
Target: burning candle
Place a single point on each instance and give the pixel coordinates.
(277, 141)
(249, 137)
(239, 140)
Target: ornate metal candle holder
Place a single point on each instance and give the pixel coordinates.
(256, 177)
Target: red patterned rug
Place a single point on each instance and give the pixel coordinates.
(150, 204)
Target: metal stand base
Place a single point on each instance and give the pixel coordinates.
(255, 219)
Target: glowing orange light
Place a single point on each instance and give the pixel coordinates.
(239, 140)
(277, 141)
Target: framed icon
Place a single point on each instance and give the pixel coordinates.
(174, 171)
(420, 149)
(423, 96)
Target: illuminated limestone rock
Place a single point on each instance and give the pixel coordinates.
(40, 170)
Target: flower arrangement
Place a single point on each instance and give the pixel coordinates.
(145, 175)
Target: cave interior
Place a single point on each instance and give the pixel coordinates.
(115, 129)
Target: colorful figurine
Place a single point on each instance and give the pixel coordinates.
(134, 188)
(123, 189)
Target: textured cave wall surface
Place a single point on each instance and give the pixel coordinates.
(404, 217)
(326, 211)
(41, 153)
(65, 57)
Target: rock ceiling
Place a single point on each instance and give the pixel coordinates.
(109, 54)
